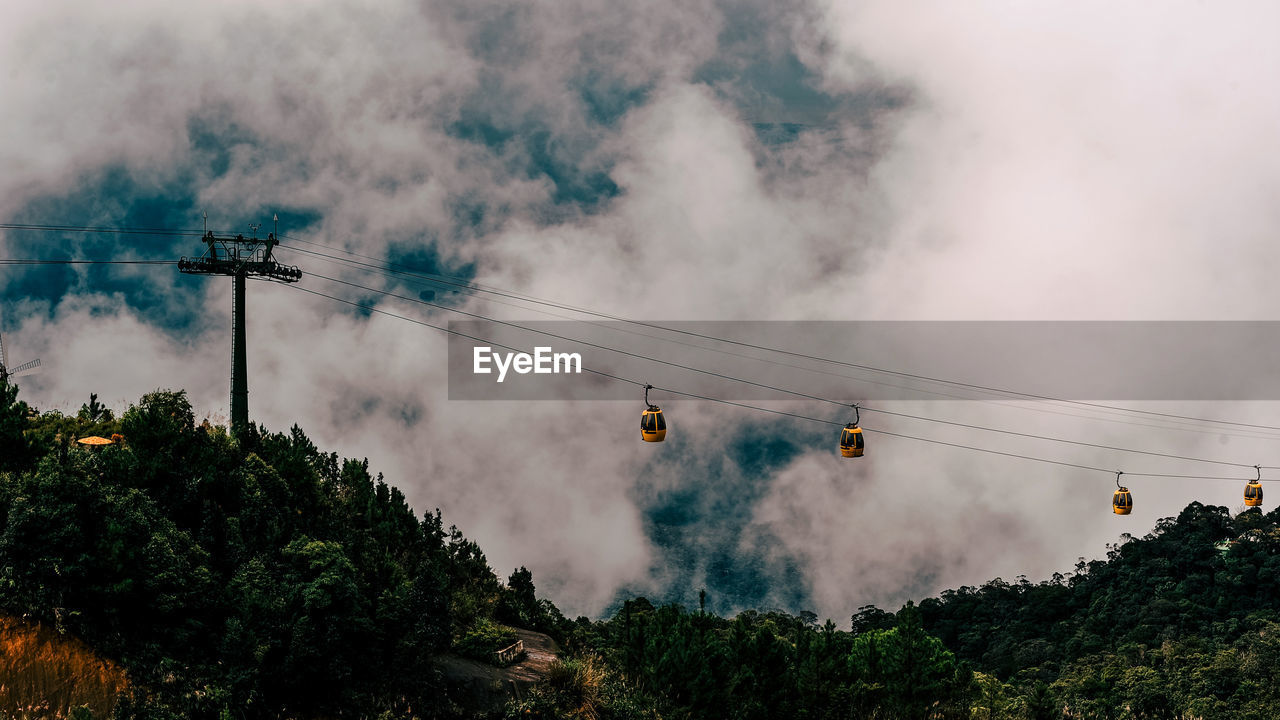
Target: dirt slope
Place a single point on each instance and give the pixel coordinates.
(44, 674)
(478, 688)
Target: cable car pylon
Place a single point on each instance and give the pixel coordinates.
(241, 258)
(7, 371)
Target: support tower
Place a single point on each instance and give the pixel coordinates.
(241, 258)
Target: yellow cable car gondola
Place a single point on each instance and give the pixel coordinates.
(851, 442)
(1253, 491)
(653, 427)
(1122, 500)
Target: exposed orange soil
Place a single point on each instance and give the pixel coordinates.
(44, 674)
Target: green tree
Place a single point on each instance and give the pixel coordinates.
(94, 411)
(908, 673)
(15, 450)
(519, 603)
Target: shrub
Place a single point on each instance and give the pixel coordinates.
(483, 639)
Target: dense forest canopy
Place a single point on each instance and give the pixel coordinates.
(260, 574)
(261, 577)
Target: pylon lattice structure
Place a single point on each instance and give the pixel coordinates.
(6, 371)
(241, 258)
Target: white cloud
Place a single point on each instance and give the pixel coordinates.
(1079, 161)
(1050, 162)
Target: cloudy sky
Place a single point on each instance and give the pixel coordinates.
(662, 161)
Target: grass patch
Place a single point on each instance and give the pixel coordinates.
(46, 674)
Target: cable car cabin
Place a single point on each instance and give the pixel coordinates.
(653, 427)
(1253, 494)
(851, 441)
(1122, 501)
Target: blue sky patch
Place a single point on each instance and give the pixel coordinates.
(700, 528)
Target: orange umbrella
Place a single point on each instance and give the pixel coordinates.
(94, 440)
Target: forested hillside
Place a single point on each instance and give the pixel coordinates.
(264, 578)
(1183, 623)
(1180, 623)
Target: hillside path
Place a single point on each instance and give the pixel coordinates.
(477, 686)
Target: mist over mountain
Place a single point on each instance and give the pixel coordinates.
(708, 160)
